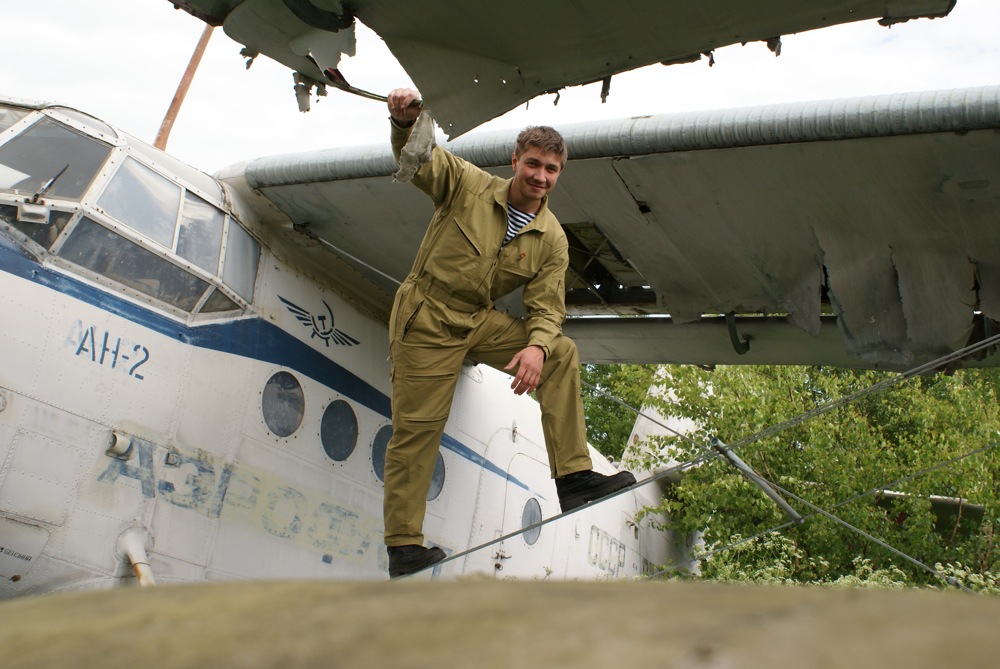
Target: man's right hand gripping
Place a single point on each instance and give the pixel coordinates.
(404, 106)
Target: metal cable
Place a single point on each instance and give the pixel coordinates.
(881, 385)
(825, 408)
(707, 451)
(845, 502)
(639, 414)
(947, 579)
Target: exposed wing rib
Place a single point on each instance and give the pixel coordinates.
(879, 212)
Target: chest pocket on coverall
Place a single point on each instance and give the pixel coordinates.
(457, 258)
(519, 264)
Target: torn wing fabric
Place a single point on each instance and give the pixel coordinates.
(856, 232)
(417, 150)
(468, 59)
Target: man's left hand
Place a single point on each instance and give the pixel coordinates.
(528, 361)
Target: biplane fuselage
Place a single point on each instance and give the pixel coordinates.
(180, 402)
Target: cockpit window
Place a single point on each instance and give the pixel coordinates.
(181, 247)
(200, 237)
(44, 234)
(87, 120)
(143, 200)
(168, 163)
(49, 150)
(218, 302)
(11, 115)
(242, 256)
(100, 250)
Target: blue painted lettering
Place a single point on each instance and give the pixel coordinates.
(338, 529)
(283, 516)
(244, 491)
(137, 365)
(190, 484)
(206, 484)
(142, 471)
(104, 349)
(606, 552)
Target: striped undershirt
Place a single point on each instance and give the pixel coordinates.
(516, 219)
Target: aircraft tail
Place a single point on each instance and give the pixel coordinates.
(646, 453)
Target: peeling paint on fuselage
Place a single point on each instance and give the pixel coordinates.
(247, 496)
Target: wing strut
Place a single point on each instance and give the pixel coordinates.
(756, 479)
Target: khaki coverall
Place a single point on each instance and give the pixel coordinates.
(443, 313)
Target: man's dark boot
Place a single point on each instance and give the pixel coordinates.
(410, 559)
(578, 488)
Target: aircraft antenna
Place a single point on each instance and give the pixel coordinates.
(182, 89)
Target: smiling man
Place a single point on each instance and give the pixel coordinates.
(488, 237)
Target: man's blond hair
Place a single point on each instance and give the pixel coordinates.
(542, 137)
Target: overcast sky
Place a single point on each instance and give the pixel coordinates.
(121, 60)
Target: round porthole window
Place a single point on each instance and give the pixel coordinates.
(531, 514)
(339, 430)
(378, 451)
(283, 404)
(437, 482)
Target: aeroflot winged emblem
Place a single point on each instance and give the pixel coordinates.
(321, 324)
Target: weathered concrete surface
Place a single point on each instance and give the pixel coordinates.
(486, 624)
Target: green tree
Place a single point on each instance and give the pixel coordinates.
(609, 424)
(896, 439)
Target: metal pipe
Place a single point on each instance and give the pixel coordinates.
(131, 546)
(182, 89)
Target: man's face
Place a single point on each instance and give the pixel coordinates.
(535, 174)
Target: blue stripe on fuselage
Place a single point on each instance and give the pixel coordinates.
(253, 338)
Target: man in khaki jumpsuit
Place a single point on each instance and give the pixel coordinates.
(474, 252)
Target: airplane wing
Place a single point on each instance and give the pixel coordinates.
(857, 233)
(473, 61)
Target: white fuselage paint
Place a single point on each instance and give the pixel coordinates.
(198, 470)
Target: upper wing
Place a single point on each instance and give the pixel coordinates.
(473, 61)
(855, 232)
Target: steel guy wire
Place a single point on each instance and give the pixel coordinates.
(875, 388)
(872, 491)
(707, 452)
(667, 472)
(947, 579)
(824, 408)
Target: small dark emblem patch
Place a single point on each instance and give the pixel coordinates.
(321, 324)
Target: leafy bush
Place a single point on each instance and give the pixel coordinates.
(925, 439)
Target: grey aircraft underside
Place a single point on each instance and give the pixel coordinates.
(855, 233)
